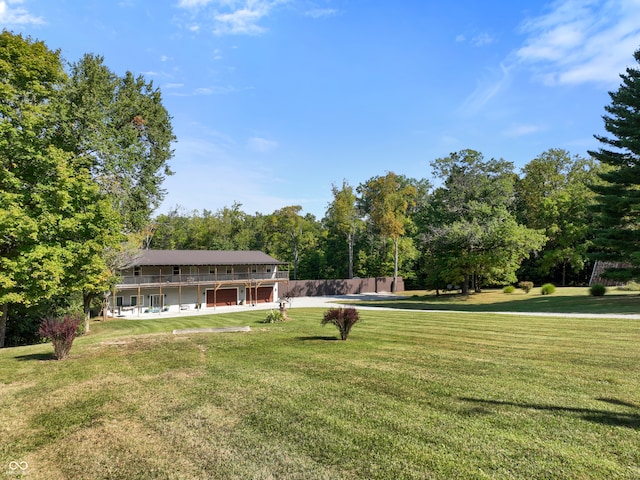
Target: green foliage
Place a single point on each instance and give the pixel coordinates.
(597, 290)
(525, 286)
(342, 220)
(553, 196)
(386, 201)
(617, 237)
(122, 132)
(343, 318)
(61, 332)
(547, 289)
(274, 316)
(470, 229)
(509, 289)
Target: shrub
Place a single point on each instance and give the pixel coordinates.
(547, 289)
(597, 290)
(509, 289)
(343, 318)
(274, 316)
(61, 333)
(526, 286)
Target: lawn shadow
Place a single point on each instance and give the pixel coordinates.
(317, 337)
(604, 417)
(35, 356)
(609, 304)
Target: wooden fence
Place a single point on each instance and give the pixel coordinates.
(319, 288)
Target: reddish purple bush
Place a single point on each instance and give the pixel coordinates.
(343, 318)
(61, 333)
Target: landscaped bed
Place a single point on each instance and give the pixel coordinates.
(408, 395)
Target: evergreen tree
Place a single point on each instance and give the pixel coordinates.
(618, 199)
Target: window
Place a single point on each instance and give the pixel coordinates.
(229, 270)
(212, 270)
(133, 300)
(119, 301)
(268, 269)
(136, 271)
(156, 300)
(176, 270)
(254, 269)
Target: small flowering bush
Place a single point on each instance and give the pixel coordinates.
(526, 286)
(61, 333)
(342, 318)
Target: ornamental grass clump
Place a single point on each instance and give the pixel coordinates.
(342, 318)
(61, 333)
(274, 316)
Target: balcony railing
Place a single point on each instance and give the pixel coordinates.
(194, 279)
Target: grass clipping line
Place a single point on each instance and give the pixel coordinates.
(185, 331)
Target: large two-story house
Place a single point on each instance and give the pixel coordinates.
(175, 280)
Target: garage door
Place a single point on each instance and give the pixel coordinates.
(263, 295)
(224, 296)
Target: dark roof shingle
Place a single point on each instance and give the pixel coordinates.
(206, 257)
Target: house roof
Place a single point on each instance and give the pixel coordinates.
(205, 257)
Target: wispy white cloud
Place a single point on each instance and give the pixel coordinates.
(482, 39)
(215, 90)
(522, 130)
(478, 40)
(230, 17)
(173, 85)
(488, 88)
(193, 3)
(12, 14)
(321, 12)
(579, 41)
(262, 145)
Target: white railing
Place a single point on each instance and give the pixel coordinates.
(194, 279)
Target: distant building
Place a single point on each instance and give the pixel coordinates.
(175, 280)
(600, 267)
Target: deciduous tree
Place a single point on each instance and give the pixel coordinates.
(471, 230)
(385, 201)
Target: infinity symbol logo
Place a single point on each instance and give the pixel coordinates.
(18, 465)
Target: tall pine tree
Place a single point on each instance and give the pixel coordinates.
(618, 200)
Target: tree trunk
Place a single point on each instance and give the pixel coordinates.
(350, 246)
(564, 273)
(86, 304)
(394, 286)
(4, 315)
(465, 285)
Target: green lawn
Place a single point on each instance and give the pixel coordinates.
(409, 395)
(564, 300)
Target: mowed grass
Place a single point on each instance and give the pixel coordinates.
(564, 300)
(409, 395)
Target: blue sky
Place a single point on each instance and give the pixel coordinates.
(273, 101)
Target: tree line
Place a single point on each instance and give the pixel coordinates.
(473, 222)
(84, 152)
